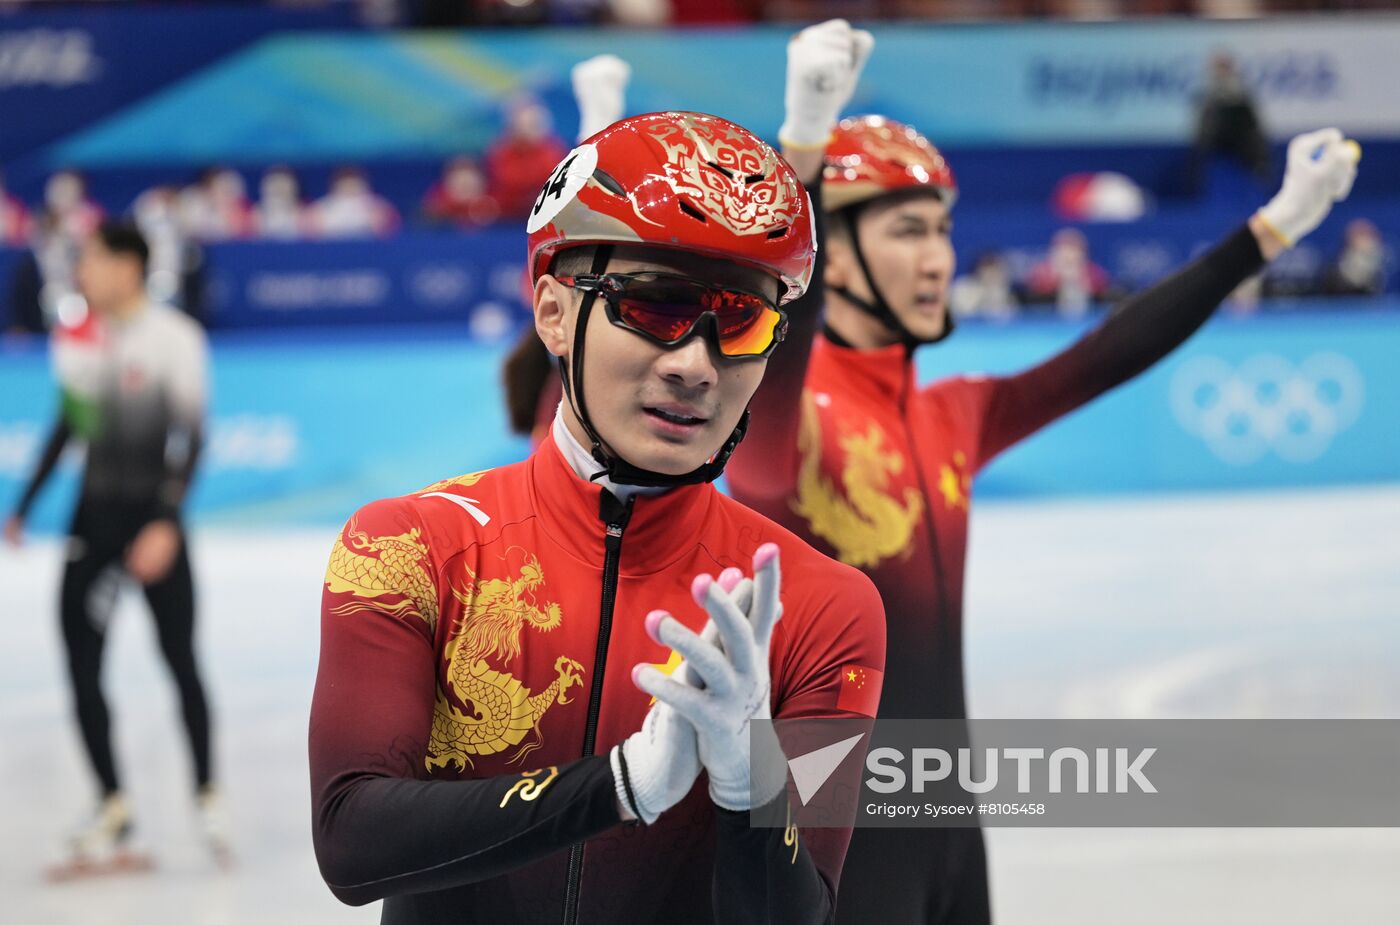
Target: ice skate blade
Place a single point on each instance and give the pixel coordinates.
(127, 862)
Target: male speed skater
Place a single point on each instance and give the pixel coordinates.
(133, 376)
(524, 671)
(857, 458)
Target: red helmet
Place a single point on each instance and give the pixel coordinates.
(871, 156)
(682, 180)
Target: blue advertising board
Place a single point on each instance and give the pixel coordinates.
(414, 277)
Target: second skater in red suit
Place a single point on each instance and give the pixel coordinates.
(853, 454)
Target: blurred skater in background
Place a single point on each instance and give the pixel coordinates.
(132, 373)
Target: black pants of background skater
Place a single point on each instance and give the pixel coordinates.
(97, 545)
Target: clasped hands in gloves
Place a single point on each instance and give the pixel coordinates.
(701, 714)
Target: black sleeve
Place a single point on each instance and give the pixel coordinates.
(53, 449)
(767, 462)
(383, 836)
(1139, 332)
(766, 875)
(182, 455)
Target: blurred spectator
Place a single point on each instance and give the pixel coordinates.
(73, 214)
(156, 213)
(653, 13)
(1295, 273)
(1228, 123)
(56, 237)
(173, 268)
(352, 210)
(14, 219)
(1068, 277)
(986, 291)
(1360, 267)
(521, 159)
(280, 213)
(460, 197)
(216, 208)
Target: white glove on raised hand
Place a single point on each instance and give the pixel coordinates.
(734, 672)
(823, 67)
(1321, 168)
(600, 87)
(661, 760)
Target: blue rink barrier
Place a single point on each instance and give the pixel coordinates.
(308, 425)
(416, 276)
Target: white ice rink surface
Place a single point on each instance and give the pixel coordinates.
(1221, 605)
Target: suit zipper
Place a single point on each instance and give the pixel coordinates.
(615, 515)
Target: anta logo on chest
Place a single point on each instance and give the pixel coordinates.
(467, 504)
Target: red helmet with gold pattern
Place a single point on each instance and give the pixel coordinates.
(681, 180)
(871, 156)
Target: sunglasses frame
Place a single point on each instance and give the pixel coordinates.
(612, 285)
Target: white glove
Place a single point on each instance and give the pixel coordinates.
(600, 86)
(662, 760)
(823, 67)
(1321, 168)
(735, 678)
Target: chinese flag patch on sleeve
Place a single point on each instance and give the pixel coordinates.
(860, 689)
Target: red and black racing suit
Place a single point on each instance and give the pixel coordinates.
(851, 454)
(477, 644)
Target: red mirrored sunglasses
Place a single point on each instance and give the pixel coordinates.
(667, 309)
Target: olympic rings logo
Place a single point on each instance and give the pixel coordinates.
(1267, 404)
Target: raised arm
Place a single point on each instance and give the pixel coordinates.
(824, 64)
(1148, 326)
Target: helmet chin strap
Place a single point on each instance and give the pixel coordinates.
(877, 307)
(619, 470)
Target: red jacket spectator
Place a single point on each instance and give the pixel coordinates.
(521, 159)
(14, 219)
(460, 197)
(1068, 276)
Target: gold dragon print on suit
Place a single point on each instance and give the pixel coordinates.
(863, 523)
(374, 567)
(482, 710)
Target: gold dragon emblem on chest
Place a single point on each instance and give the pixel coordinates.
(865, 520)
(481, 709)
